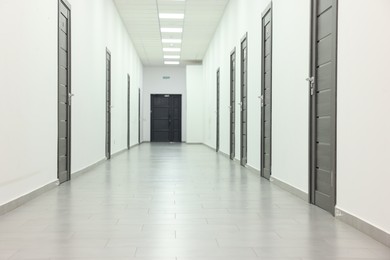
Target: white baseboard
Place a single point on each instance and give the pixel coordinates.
(363, 226)
(287, 187)
(26, 198)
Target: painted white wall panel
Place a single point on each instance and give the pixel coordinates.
(363, 111)
(290, 96)
(194, 79)
(28, 104)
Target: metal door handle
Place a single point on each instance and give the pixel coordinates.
(261, 100)
(311, 80)
(70, 95)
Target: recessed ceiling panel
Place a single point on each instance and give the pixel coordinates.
(141, 18)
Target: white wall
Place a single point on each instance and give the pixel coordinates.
(363, 111)
(290, 95)
(28, 104)
(290, 90)
(90, 39)
(153, 83)
(195, 90)
(28, 136)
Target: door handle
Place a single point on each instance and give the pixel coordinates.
(311, 81)
(70, 95)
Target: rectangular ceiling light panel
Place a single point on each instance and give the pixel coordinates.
(171, 62)
(171, 16)
(172, 30)
(171, 40)
(171, 56)
(171, 49)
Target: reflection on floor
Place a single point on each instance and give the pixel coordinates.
(176, 202)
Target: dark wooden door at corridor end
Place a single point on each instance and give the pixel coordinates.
(165, 118)
(323, 83)
(64, 92)
(266, 93)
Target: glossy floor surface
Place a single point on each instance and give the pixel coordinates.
(176, 202)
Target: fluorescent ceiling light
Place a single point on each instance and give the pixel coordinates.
(171, 62)
(171, 56)
(172, 30)
(171, 40)
(171, 16)
(171, 49)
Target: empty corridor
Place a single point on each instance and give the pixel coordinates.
(176, 201)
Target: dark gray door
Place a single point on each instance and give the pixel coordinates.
(108, 104)
(128, 111)
(217, 112)
(165, 118)
(323, 82)
(233, 104)
(266, 93)
(139, 116)
(244, 100)
(64, 92)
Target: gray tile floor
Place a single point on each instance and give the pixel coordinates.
(176, 202)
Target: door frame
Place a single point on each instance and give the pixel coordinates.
(139, 116)
(312, 105)
(217, 110)
(242, 161)
(108, 104)
(69, 115)
(268, 10)
(232, 105)
(128, 111)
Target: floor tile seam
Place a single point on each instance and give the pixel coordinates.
(254, 251)
(218, 245)
(15, 253)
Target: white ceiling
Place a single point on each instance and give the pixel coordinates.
(143, 24)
